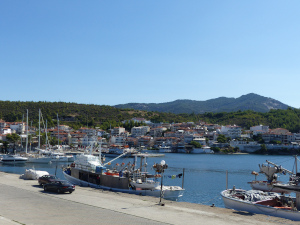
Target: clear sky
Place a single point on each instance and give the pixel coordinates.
(122, 51)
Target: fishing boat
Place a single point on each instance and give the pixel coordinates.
(89, 171)
(271, 171)
(270, 198)
(260, 202)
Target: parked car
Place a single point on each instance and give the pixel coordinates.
(46, 179)
(59, 186)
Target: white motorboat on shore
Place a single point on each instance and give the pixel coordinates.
(268, 203)
(32, 174)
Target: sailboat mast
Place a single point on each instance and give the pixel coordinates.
(100, 149)
(26, 133)
(46, 136)
(39, 128)
(296, 164)
(57, 130)
(22, 132)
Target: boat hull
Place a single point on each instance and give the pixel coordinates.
(251, 207)
(14, 160)
(269, 187)
(39, 160)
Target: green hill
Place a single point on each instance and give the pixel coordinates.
(250, 101)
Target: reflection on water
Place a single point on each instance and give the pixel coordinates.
(204, 175)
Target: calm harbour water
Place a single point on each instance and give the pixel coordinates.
(205, 174)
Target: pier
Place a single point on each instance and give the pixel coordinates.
(25, 202)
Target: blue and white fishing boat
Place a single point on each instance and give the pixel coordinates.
(90, 171)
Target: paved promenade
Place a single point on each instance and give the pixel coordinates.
(24, 202)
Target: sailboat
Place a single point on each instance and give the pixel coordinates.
(36, 157)
(50, 154)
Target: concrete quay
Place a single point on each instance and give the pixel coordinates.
(24, 202)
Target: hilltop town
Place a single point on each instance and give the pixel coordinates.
(178, 137)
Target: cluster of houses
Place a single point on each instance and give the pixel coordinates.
(155, 135)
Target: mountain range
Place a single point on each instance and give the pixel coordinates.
(250, 101)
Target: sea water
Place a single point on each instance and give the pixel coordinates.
(204, 174)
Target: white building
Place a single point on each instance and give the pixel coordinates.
(231, 131)
(5, 130)
(157, 132)
(88, 131)
(200, 140)
(118, 140)
(260, 129)
(140, 131)
(19, 127)
(117, 130)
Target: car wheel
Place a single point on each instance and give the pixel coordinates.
(71, 192)
(45, 188)
(58, 191)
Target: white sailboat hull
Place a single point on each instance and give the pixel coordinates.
(39, 159)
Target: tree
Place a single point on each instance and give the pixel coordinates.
(196, 144)
(264, 148)
(222, 139)
(13, 138)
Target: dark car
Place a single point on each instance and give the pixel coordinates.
(46, 179)
(59, 186)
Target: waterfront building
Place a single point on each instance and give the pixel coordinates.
(278, 134)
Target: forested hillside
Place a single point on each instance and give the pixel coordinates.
(250, 101)
(78, 115)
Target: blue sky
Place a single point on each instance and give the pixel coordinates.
(114, 52)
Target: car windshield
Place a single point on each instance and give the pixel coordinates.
(64, 183)
(52, 177)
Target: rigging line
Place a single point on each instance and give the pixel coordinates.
(287, 160)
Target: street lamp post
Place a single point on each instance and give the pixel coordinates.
(160, 168)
